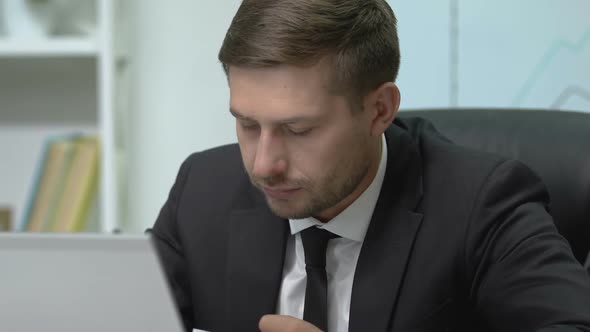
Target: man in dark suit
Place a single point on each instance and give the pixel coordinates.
(333, 211)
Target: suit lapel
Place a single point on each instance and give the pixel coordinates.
(388, 243)
(256, 252)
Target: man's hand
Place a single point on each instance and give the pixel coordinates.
(277, 323)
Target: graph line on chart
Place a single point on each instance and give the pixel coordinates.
(569, 92)
(557, 47)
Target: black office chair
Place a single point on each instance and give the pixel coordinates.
(554, 144)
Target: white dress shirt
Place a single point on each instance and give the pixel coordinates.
(341, 255)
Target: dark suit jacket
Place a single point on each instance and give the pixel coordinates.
(459, 240)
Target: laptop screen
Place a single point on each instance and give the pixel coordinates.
(83, 282)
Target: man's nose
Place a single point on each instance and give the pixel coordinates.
(270, 158)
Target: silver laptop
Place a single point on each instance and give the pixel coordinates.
(83, 282)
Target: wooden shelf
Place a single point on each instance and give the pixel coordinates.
(58, 47)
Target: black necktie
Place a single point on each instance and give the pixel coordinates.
(315, 241)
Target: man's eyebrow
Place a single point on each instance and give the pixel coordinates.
(238, 115)
(290, 120)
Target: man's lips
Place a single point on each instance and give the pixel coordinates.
(280, 192)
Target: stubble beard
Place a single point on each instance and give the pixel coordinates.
(317, 197)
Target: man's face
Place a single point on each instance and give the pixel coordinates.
(302, 146)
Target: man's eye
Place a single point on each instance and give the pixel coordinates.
(298, 132)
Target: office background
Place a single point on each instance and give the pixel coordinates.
(172, 98)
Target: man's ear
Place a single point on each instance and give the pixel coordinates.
(382, 105)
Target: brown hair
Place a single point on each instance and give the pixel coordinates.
(358, 37)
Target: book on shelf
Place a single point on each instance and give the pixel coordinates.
(80, 186)
(66, 185)
(56, 157)
(5, 219)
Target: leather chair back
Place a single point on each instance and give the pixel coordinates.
(554, 144)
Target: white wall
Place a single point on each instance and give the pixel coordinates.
(180, 96)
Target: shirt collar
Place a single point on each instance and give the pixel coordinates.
(352, 223)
